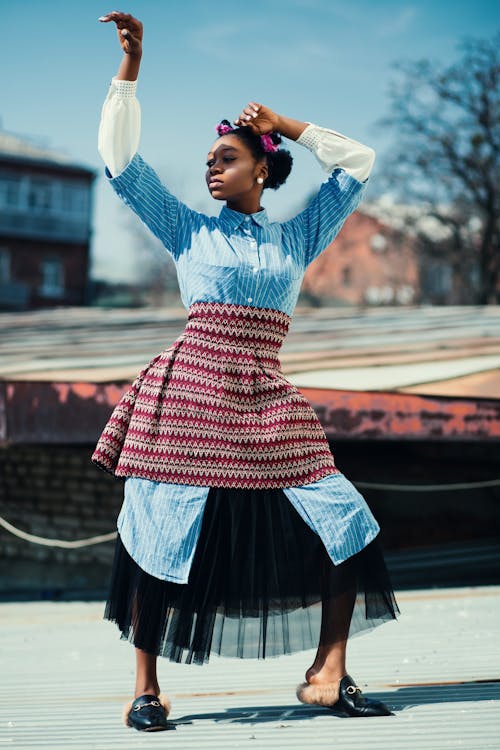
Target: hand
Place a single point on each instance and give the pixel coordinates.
(129, 31)
(258, 118)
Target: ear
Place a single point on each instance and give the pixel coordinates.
(262, 170)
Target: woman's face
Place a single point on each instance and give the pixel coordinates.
(232, 170)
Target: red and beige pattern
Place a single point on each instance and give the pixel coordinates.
(215, 409)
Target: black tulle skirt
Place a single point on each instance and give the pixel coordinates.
(259, 582)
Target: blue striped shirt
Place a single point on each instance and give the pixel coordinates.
(241, 259)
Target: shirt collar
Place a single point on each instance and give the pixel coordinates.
(234, 219)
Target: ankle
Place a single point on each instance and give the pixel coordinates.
(146, 688)
(325, 674)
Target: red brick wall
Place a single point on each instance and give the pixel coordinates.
(26, 266)
(350, 266)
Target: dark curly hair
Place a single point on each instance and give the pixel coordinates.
(279, 163)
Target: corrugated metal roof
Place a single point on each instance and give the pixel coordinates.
(372, 349)
(66, 674)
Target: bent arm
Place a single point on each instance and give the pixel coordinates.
(349, 163)
(333, 150)
(336, 151)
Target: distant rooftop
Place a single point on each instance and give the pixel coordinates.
(16, 147)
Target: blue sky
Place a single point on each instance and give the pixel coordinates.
(324, 61)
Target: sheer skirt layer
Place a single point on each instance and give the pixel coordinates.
(257, 574)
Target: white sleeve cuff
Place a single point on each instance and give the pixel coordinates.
(124, 89)
(334, 150)
(310, 137)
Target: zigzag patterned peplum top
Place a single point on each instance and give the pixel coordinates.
(215, 409)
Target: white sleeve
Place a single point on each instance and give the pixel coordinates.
(120, 126)
(334, 150)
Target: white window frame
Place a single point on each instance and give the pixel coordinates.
(52, 269)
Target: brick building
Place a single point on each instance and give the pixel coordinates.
(371, 262)
(45, 226)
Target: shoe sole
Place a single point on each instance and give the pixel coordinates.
(154, 729)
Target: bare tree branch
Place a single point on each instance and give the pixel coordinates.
(446, 154)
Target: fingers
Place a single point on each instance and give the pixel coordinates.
(129, 30)
(130, 43)
(123, 20)
(116, 15)
(250, 113)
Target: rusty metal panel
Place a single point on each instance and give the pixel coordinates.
(45, 412)
(381, 415)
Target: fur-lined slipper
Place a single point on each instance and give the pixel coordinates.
(147, 712)
(343, 696)
(318, 695)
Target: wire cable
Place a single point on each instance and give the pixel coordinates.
(79, 543)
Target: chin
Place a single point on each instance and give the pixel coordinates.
(215, 196)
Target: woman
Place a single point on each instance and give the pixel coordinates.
(235, 518)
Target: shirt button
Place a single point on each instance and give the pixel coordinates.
(255, 269)
(249, 299)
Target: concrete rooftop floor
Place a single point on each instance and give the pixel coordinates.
(65, 675)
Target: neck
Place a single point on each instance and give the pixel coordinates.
(246, 205)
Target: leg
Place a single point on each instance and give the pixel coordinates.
(149, 709)
(330, 662)
(327, 682)
(146, 679)
(339, 595)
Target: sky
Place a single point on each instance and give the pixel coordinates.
(324, 61)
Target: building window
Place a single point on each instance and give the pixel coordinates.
(347, 276)
(40, 195)
(9, 192)
(52, 278)
(74, 199)
(4, 265)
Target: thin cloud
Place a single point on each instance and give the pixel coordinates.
(398, 24)
(217, 41)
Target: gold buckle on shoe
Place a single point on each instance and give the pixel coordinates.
(351, 689)
(151, 703)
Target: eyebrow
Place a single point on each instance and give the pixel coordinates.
(222, 148)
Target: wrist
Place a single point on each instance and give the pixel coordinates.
(290, 128)
(280, 125)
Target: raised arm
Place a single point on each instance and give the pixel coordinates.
(120, 126)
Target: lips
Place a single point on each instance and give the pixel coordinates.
(213, 184)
